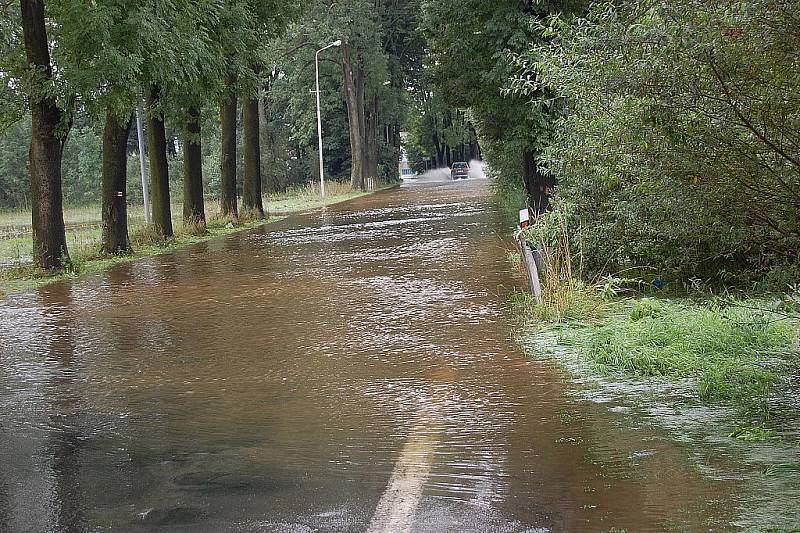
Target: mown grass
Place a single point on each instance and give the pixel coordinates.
(296, 198)
(17, 274)
(85, 256)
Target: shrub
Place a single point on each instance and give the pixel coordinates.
(681, 148)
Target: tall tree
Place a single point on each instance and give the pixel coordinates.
(102, 68)
(470, 64)
(354, 97)
(159, 165)
(194, 213)
(228, 115)
(115, 181)
(265, 19)
(48, 135)
(251, 198)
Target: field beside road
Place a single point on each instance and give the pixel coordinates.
(17, 272)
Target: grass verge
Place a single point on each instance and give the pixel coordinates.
(733, 355)
(739, 353)
(83, 238)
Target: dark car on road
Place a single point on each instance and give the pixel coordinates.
(459, 171)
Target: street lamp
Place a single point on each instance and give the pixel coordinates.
(337, 42)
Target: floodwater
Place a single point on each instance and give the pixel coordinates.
(349, 369)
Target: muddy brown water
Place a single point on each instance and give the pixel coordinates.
(342, 370)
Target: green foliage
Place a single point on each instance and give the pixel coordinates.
(646, 308)
(439, 132)
(509, 195)
(732, 355)
(472, 49)
(387, 49)
(81, 165)
(14, 180)
(680, 147)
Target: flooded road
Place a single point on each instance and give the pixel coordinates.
(346, 370)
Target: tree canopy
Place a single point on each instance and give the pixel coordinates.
(667, 132)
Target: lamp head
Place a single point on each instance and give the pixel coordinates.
(337, 42)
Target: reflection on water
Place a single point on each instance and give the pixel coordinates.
(283, 378)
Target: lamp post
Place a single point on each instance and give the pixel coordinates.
(337, 42)
(142, 168)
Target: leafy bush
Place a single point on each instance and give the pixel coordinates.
(681, 147)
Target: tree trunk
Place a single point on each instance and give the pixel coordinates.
(354, 93)
(159, 168)
(361, 108)
(438, 147)
(46, 149)
(538, 186)
(115, 182)
(228, 119)
(193, 207)
(474, 149)
(251, 192)
(371, 142)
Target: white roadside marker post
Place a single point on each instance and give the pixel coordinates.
(527, 257)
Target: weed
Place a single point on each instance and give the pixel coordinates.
(612, 286)
(248, 216)
(564, 296)
(521, 303)
(569, 300)
(781, 468)
(72, 265)
(516, 261)
(147, 235)
(790, 300)
(752, 434)
(646, 308)
(193, 228)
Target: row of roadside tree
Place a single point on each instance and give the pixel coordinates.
(235, 73)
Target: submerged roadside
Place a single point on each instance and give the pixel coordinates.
(18, 275)
(719, 372)
(722, 380)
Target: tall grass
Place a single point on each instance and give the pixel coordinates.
(565, 296)
(733, 355)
